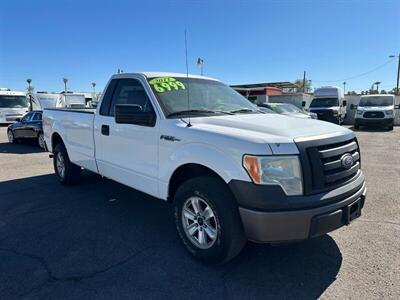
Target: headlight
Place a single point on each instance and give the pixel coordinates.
(389, 112)
(359, 112)
(275, 170)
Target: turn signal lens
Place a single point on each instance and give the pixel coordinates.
(252, 166)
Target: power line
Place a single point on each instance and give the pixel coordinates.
(359, 75)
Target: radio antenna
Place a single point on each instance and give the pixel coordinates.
(187, 79)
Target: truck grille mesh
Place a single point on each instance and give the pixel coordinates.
(322, 159)
(374, 114)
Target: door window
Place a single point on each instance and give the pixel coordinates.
(27, 117)
(37, 117)
(130, 91)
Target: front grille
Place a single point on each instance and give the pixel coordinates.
(322, 159)
(330, 159)
(323, 113)
(374, 114)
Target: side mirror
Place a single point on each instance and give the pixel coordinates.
(344, 102)
(303, 104)
(353, 106)
(133, 114)
(18, 120)
(397, 106)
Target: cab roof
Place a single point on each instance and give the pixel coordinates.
(162, 74)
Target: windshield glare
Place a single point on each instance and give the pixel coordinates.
(324, 102)
(206, 97)
(376, 101)
(9, 101)
(285, 108)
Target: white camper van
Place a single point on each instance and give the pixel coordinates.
(13, 105)
(46, 100)
(71, 100)
(329, 104)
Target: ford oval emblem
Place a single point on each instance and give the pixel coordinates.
(347, 161)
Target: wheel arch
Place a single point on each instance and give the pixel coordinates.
(188, 171)
(55, 140)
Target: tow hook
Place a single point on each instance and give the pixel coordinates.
(51, 155)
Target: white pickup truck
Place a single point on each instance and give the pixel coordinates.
(232, 172)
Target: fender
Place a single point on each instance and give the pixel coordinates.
(228, 167)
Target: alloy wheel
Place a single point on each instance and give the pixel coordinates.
(199, 222)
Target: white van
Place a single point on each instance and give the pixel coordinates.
(375, 110)
(329, 104)
(13, 105)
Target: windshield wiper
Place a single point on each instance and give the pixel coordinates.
(190, 111)
(242, 110)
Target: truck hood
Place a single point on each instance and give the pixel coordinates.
(270, 128)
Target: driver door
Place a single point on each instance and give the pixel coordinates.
(127, 153)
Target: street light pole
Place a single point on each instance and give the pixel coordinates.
(200, 63)
(65, 80)
(398, 73)
(29, 81)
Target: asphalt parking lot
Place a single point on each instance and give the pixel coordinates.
(102, 240)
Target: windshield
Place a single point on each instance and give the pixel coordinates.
(376, 101)
(324, 102)
(9, 101)
(206, 97)
(284, 108)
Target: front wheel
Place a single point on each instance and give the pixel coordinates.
(208, 220)
(67, 172)
(10, 136)
(41, 141)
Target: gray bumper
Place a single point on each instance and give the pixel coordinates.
(282, 226)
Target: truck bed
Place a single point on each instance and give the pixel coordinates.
(75, 126)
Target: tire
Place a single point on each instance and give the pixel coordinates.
(11, 138)
(356, 126)
(66, 172)
(41, 141)
(391, 127)
(218, 215)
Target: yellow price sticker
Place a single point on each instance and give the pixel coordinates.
(166, 84)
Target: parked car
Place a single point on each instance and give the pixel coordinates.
(329, 104)
(289, 110)
(29, 127)
(376, 110)
(266, 110)
(232, 172)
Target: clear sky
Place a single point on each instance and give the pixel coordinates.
(240, 41)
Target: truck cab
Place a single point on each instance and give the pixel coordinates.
(378, 110)
(329, 104)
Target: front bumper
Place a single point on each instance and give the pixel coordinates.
(372, 121)
(331, 211)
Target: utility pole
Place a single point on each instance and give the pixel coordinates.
(397, 92)
(304, 82)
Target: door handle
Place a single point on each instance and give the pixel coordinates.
(105, 130)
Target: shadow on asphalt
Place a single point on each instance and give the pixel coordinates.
(22, 147)
(100, 239)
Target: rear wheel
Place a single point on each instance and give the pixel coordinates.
(67, 172)
(356, 126)
(208, 220)
(390, 127)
